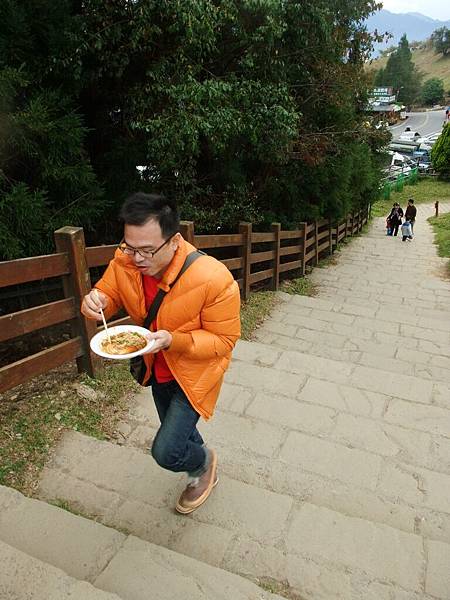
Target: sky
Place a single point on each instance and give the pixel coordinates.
(436, 9)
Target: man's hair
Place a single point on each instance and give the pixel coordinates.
(140, 208)
(411, 200)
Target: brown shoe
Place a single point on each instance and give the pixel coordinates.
(194, 495)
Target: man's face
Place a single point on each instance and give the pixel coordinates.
(149, 236)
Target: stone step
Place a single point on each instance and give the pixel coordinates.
(341, 365)
(324, 553)
(59, 554)
(420, 358)
(337, 299)
(351, 312)
(405, 349)
(25, 577)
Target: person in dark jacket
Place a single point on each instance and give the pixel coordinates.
(395, 218)
(411, 212)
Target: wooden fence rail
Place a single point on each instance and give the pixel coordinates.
(255, 259)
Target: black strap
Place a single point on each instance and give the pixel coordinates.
(154, 307)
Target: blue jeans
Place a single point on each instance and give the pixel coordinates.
(178, 446)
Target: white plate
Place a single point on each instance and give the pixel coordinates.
(99, 337)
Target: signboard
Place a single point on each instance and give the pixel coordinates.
(385, 99)
(382, 95)
(382, 91)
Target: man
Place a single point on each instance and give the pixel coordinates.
(194, 331)
(410, 214)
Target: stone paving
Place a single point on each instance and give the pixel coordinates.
(333, 435)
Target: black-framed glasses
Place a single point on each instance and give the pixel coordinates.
(145, 252)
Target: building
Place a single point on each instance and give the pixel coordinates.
(382, 104)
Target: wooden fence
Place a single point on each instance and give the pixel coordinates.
(254, 258)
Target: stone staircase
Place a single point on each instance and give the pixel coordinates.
(333, 437)
(47, 553)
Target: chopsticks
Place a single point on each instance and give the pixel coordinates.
(103, 317)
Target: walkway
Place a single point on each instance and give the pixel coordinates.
(333, 434)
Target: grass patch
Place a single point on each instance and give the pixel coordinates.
(441, 227)
(260, 304)
(301, 286)
(254, 311)
(33, 417)
(281, 588)
(426, 190)
(327, 261)
(67, 507)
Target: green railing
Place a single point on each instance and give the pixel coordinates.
(397, 184)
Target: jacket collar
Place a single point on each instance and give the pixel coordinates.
(170, 274)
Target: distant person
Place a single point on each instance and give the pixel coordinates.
(410, 214)
(406, 231)
(388, 226)
(395, 218)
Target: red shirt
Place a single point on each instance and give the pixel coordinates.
(161, 371)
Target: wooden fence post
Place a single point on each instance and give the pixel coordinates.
(316, 234)
(246, 230)
(187, 231)
(330, 236)
(276, 228)
(352, 221)
(303, 227)
(77, 284)
(436, 208)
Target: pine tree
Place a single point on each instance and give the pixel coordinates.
(401, 74)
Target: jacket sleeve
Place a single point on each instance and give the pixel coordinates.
(108, 285)
(220, 317)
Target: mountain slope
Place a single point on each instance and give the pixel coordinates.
(427, 61)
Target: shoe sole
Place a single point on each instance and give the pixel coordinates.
(183, 510)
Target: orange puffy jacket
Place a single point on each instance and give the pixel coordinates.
(201, 312)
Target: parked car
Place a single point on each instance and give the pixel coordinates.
(409, 135)
(424, 164)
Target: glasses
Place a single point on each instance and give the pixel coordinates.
(145, 252)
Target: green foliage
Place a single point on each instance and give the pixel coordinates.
(441, 226)
(440, 153)
(401, 74)
(433, 91)
(46, 177)
(239, 109)
(441, 40)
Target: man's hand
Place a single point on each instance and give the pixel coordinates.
(162, 338)
(92, 303)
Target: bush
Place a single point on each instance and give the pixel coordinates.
(433, 91)
(440, 153)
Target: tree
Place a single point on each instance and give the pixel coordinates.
(441, 40)
(440, 153)
(46, 177)
(401, 74)
(433, 91)
(238, 109)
